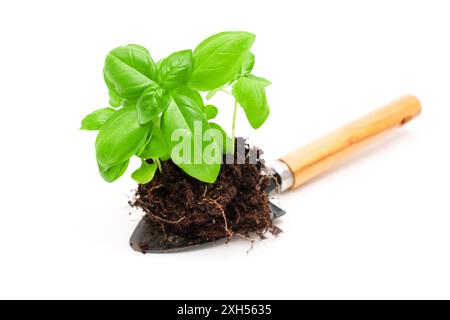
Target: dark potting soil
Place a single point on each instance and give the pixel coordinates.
(237, 204)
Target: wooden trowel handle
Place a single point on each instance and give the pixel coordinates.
(313, 159)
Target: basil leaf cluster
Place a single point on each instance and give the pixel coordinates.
(150, 101)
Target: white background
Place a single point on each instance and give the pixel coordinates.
(377, 227)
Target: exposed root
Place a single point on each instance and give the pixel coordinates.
(166, 221)
(221, 209)
(252, 241)
(156, 187)
(159, 218)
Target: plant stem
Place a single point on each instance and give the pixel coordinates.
(233, 127)
(223, 90)
(158, 163)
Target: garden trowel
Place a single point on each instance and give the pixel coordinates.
(297, 168)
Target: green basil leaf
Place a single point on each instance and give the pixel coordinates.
(200, 159)
(248, 64)
(152, 102)
(147, 140)
(222, 139)
(264, 82)
(120, 138)
(127, 104)
(218, 58)
(145, 173)
(165, 157)
(246, 67)
(95, 120)
(251, 95)
(115, 172)
(188, 97)
(156, 147)
(129, 70)
(211, 111)
(115, 100)
(175, 70)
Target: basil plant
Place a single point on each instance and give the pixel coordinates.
(149, 102)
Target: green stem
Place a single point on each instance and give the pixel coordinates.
(233, 128)
(223, 90)
(158, 163)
